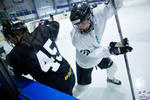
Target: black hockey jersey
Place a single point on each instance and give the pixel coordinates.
(41, 59)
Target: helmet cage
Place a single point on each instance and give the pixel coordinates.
(91, 27)
(79, 13)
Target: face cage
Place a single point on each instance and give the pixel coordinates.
(91, 27)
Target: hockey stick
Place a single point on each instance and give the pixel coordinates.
(125, 56)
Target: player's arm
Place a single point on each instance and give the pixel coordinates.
(115, 48)
(107, 10)
(16, 64)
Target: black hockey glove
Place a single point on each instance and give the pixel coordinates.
(117, 48)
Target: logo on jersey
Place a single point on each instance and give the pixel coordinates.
(144, 95)
(85, 52)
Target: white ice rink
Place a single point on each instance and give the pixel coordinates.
(135, 23)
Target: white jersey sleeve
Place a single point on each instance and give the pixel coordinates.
(107, 11)
(101, 14)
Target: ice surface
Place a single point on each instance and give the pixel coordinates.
(135, 23)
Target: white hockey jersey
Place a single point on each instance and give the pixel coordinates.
(89, 53)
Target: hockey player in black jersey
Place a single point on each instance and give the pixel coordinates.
(37, 54)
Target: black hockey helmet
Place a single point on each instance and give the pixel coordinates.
(80, 12)
(13, 28)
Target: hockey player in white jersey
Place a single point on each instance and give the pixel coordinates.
(88, 29)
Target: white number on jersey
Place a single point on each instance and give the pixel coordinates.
(45, 62)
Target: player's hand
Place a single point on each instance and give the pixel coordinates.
(117, 48)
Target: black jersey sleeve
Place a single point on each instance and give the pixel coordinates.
(44, 32)
(15, 59)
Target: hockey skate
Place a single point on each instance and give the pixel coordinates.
(114, 81)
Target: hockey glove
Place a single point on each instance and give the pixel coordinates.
(117, 48)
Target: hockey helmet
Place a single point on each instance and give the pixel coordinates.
(79, 13)
(13, 28)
